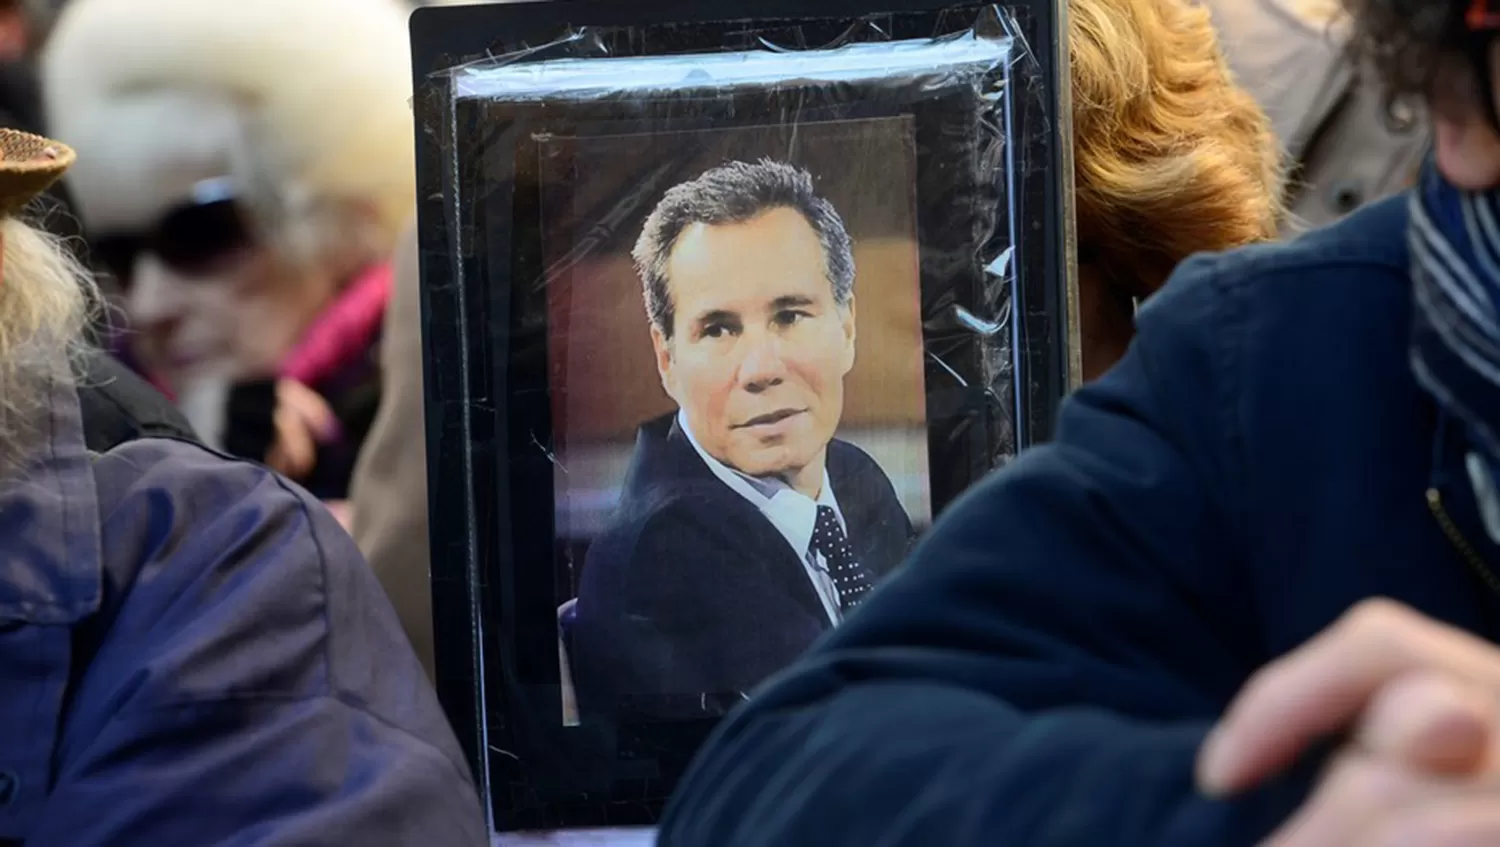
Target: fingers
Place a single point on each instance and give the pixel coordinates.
(1359, 796)
(1469, 820)
(317, 416)
(1367, 801)
(1323, 687)
(294, 452)
(1430, 723)
(303, 420)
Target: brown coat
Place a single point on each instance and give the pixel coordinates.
(1333, 124)
(389, 491)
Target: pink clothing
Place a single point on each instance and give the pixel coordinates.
(344, 331)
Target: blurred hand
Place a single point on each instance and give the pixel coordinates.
(1419, 703)
(303, 421)
(1419, 770)
(1368, 801)
(1327, 685)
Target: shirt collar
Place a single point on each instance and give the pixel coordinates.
(49, 521)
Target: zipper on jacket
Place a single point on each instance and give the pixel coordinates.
(1460, 543)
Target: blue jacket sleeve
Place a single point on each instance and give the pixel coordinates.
(246, 682)
(1044, 668)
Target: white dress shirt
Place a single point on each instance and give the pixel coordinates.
(793, 513)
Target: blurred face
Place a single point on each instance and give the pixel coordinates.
(15, 34)
(207, 298)
(759, 348)
(1465, 142)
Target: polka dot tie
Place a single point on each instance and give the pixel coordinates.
(849, 576)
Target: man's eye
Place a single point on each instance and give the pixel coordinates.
(716, 330)
(788, 317)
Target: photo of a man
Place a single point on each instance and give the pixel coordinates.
(744, 527)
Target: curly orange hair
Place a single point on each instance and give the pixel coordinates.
(1171, 157)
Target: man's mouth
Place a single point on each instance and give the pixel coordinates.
(770, 418)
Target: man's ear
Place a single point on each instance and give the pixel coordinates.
(663, 348)
(847, 315)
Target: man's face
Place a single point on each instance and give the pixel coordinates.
(759, 348)
(1465, 144)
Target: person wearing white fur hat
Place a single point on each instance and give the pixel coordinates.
(244, 169)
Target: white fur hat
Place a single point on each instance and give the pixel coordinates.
(328, 83)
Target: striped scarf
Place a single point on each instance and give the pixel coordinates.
(1455, 343)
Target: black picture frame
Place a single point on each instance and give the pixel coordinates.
(486, 373)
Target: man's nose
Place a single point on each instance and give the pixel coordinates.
(763, 366)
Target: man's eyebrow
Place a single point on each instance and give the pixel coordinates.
(715, 316)
(790, 301)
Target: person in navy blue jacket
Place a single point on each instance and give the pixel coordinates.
(1250, 591)
(191, 649)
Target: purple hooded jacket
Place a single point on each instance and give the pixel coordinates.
(193, 652)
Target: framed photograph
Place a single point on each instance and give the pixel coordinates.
(768, 400)
(722, 308)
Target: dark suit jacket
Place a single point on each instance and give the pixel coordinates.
(692, 596)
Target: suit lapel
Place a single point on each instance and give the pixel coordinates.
(878, 527)
(748, 528)
(855, 503)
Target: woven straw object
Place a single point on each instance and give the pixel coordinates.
(29, 164)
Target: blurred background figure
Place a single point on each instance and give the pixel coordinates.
(244, 170)
(24, 26)
(1171, 158)
(218, 687)
(1345, 145)
(389, 492)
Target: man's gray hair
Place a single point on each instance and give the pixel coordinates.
(734, 193)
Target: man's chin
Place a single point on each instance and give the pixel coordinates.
(781, 465)
(768, 472)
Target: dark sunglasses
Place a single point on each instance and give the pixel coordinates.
(192, 238)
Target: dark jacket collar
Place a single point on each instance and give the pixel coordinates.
(49, 522)
(663, 460)
(665, 467)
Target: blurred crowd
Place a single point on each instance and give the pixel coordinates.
(244, 175)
